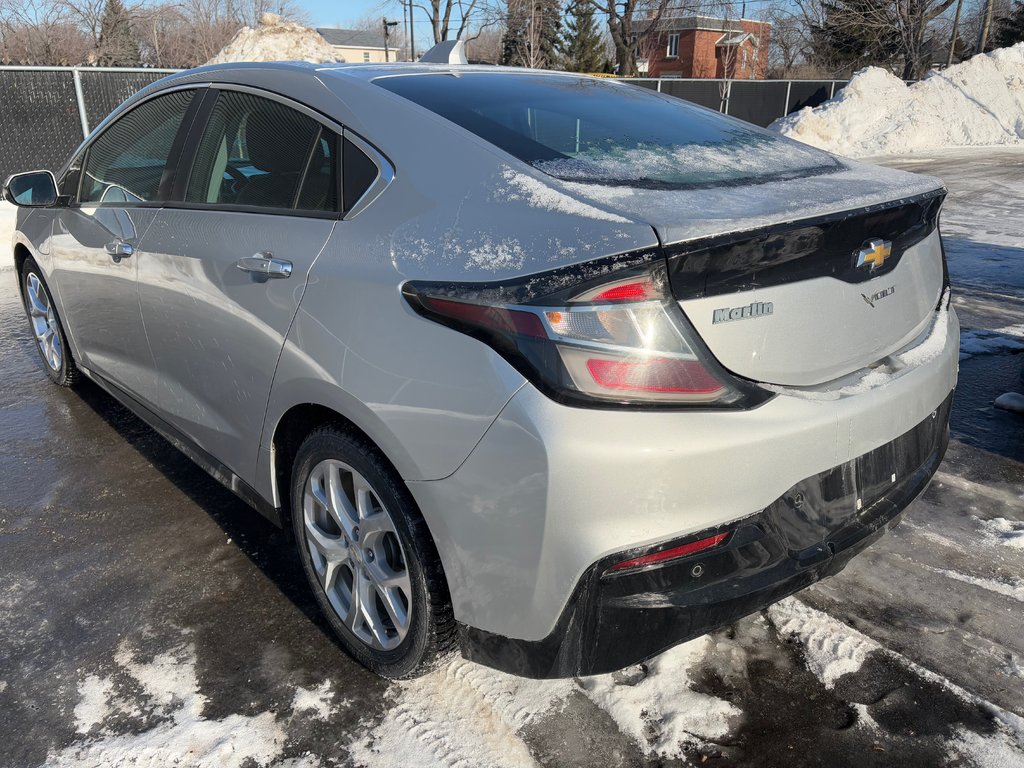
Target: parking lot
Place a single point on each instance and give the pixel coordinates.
(148, 617)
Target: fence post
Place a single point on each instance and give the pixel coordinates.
(785, 105)
(80, 98)
(832, 92)
(659, 85)
(726, 96)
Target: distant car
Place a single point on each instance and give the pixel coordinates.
(554, 370)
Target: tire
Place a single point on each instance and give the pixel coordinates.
(51, 342)
(377, 549)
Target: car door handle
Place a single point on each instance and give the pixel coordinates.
(119, 249)
(265, 264)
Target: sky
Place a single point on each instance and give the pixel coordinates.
(345, 13)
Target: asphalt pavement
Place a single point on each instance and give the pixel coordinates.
(148, 617)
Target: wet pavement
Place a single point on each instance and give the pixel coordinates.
(148, 617)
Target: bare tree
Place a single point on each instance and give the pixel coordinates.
(448, 15)
(40, 32)
(789, 43)
(631, 23)
(893, 33)
(484, 43)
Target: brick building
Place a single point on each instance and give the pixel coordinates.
(701, 46)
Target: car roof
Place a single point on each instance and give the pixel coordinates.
(369, 71)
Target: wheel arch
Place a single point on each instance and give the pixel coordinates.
(294, 425)
(21, 255)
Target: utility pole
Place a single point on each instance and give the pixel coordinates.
(983, 35)
(412, 32)
(956, 31)
(387, 33)
(405, 31)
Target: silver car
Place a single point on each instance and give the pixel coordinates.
(552, 370)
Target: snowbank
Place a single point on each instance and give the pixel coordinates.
(977, 102)
(8, 216)
(276, 40)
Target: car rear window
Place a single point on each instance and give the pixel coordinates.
(590, 130)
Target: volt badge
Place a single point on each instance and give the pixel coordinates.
(874, 253)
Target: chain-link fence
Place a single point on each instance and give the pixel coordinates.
(45, 112)
(761, 102)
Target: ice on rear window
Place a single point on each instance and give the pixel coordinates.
(593, 131)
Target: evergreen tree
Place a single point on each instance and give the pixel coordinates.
(582, 48)
(843, 43)
(117, 44)
(1010, 29)
(532, 32)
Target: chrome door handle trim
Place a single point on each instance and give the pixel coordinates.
(119, 249)
(266, 265)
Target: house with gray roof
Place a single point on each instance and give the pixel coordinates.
(356, 45)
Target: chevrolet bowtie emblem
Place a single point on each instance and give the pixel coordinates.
(874, 254)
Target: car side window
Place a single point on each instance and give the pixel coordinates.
(359, 174)
(126, 162)
(259, 152)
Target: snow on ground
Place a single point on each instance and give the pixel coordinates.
(151, 708)
(277, 40)
(833, 649)
(878, 114)
(1011, 401)
(162, 696)
(1001, 531)
(662, 711)
(988, 341)
(8, 214)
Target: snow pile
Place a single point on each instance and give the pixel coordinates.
(977, 102)
(276, 40)
(661, 711)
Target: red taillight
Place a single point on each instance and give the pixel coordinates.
(672, 554)
(639, 290)
(655, 375)
(495, 318)
(595, 335)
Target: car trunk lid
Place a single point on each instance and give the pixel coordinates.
(809, 301)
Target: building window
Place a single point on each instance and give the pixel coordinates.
(366, 56)
(673, 46)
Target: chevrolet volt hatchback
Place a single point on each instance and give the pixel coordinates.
(553, 370)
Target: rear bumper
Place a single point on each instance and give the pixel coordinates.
(551, 490)
(812, 531)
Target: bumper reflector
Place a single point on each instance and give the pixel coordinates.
(671, 554)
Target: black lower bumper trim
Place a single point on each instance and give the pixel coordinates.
(812, 531)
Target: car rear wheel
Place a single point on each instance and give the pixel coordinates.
(369, 557)
(51, 342)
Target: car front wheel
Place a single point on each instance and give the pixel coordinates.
(369, 557)
(51, 341)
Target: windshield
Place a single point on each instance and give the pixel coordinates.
(590, 130)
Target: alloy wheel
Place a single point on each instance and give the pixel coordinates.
(357, 555)
(44, 322)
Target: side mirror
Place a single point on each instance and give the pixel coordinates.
(35, 189)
